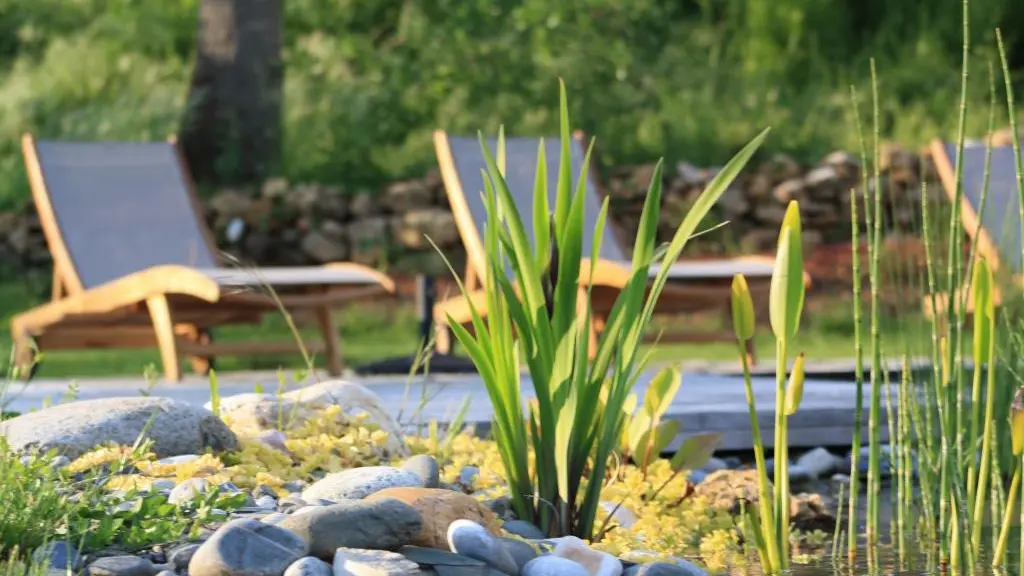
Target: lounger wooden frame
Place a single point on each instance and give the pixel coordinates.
(173, 307)
(608, 279)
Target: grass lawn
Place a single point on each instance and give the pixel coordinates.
(374, 331)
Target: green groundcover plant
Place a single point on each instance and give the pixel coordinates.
(534, 316)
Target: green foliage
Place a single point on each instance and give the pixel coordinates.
(39, 502)
(536, 316)
(644, 434)
(367, 82)
(31, 500)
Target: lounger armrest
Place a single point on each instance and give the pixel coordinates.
(383, 279)
(129, 290)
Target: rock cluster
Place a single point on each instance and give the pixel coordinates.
(397, 516)
(284, 223)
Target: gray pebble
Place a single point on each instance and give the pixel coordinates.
(715, 464)
(274, 518)
(473, 540)
(294, 486)
(306, 510)
(162, 484)
(247, 548)
(467, 474)
(290, 503)
(59, 462)
(521, 552)
(358, 483)
(58, 554)
(424, 466)
(266, 503)
(819, 462)
(553, 566)
(275, 439)
(366, 562)
(841, 479)
(189, 490)
(309, 566)
(524, 529)
(384, 524)
(264, 490)
(166, 573)
(180, 556)
(799, 475)
(229, 488)
(122, 566)
(680, 568)
(440, 560)
(502, 506)
(178, 460)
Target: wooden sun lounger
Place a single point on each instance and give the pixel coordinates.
(134, 264)
(998, 239)
(694, 285)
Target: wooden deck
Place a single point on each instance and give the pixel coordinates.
(706, 402)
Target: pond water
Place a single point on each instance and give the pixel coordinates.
(883, 559)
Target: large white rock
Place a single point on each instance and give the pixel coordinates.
(262, 411)
(358, 483)
(78, 427)
(595, 562)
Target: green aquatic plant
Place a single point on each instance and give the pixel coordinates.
(945, 425)
(540, 314)
(645, 434)
(769, 522)
(1016, 426)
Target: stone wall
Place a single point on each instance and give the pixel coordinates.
(293, 224)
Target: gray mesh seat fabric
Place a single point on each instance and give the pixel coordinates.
(123, 207)
(520, 173)
(694, 285)
(1000, 221)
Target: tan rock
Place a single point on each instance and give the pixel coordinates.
(364, 204)
(783, 167)
(408, 194)
(792, 189)
(411, 229)
(274, 188)
(368, 239)
(439, 508)
(728, 488)
(230, 203)
(318, 246)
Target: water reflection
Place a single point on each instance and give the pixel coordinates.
(883, 560)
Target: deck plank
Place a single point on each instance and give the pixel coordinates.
(706, 402)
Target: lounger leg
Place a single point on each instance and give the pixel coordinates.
(24, 353)
(160, 314)
(201, 365)
(332, 343)
(442, 339)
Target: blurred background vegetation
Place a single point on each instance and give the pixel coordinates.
(366, 81)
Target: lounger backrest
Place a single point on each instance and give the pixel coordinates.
(118, 207)
(1001, 218)
(520, 174)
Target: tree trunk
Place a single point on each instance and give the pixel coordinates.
(231, 129)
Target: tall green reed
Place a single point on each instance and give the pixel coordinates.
(541, 313)
(948, 432)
